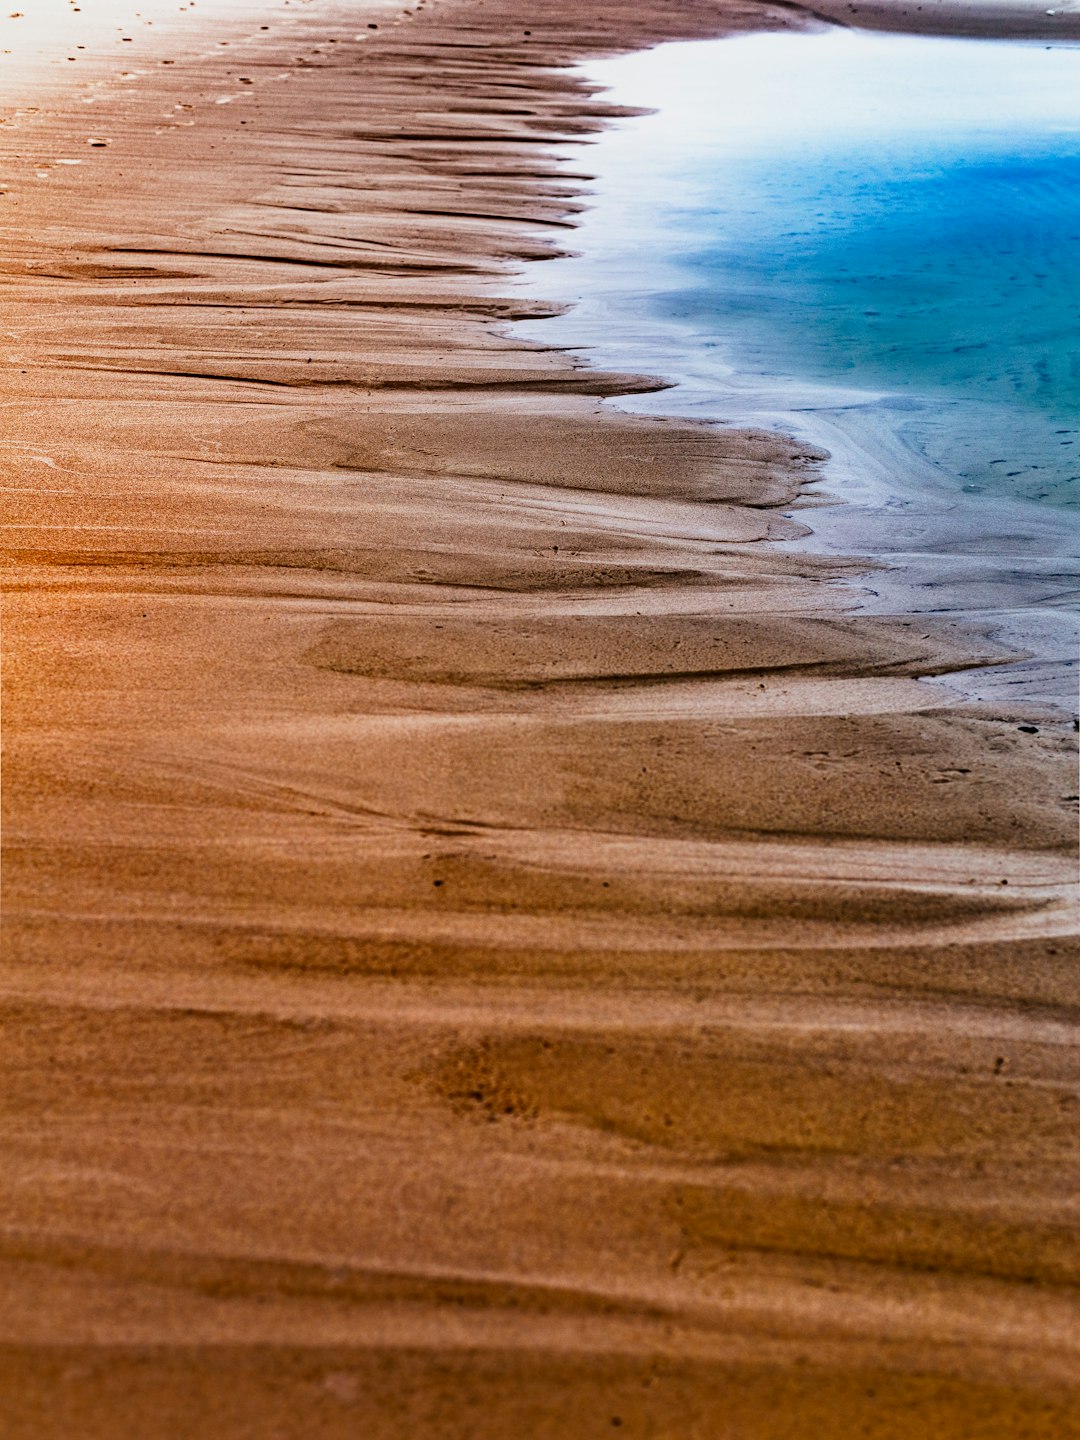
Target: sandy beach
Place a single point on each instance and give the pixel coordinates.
(495, 942)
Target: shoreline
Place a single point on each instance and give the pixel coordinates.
(1000, 565)
(939, 557)
(493, 945)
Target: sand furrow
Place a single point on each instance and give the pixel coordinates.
(495, 942)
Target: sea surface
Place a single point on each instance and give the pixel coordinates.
(872, 241)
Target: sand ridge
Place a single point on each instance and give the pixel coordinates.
(494, 942)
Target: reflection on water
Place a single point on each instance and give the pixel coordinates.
(855, 218)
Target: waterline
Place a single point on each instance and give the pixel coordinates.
(872, 241)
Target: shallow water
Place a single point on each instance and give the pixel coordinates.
(870, 241)
(842, 219)
(955, 284)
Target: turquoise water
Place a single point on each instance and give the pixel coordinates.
(856, 219)
(943, 277)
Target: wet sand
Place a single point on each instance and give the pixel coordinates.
(494, 943)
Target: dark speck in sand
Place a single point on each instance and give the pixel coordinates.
(1028, 729)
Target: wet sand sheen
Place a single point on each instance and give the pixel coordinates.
(494, 945)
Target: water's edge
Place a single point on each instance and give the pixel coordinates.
(1006, 565)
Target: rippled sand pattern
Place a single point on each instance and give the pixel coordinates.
(495, 944)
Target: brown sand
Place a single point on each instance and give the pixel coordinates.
(494, 946)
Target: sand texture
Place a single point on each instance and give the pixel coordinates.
(495, 944)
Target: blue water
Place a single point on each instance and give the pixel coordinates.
(858, 219)
(949, 279)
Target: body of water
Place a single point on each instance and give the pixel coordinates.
(872, 240)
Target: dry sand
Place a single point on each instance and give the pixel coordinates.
(495, 946)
